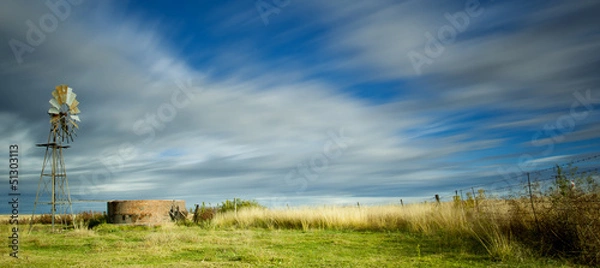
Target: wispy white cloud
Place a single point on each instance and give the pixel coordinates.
(251, 119)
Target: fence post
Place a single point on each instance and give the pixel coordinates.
(456, 198)
(195, 218)
(437, 199)
(462, 198)
(537, 224)
(235, 206)
(475, 199)
(401, 203)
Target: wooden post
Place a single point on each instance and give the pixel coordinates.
(474, 198)
(462, 198)
(235, 206)
(196, 216)
(531, 199)
(462, 202)
(401, 203)
(437, 198)
(456, 198)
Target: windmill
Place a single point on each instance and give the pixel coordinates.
(53, 182)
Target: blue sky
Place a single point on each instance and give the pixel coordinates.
(300, 102)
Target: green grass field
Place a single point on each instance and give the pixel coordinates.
(214, 246)
(555, 228)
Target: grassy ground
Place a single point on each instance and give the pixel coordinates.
(551, 228)
(180, 246)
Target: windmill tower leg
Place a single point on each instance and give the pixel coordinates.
(63, 193)
(54, 185)
(42, 184)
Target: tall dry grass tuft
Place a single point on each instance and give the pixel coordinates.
(498, 241)
(566, 222)
(444, 219)
(560, 222)
(567, 226)
(422, 218)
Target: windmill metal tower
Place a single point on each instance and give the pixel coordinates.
(53, 184)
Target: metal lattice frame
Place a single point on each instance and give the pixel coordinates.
(54, 183)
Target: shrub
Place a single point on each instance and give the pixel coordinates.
(203, 214)
(238, 204)
(566, 223)
(92, 219)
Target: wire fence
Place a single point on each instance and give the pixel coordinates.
(559, 207)
(580, 173)
(571, 188)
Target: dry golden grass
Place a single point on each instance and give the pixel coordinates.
(4, 218)
(424, 218)
(505, 228)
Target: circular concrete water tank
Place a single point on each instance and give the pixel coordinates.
(145, 212)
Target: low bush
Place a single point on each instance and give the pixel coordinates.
(238, 204)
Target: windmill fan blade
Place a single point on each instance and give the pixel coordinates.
(53, 110)
(73, 104)
(55, 103)
(63, 94)
(63, 123)
(75, 111)
(75, 117)
(70, 96)
(55, 95)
